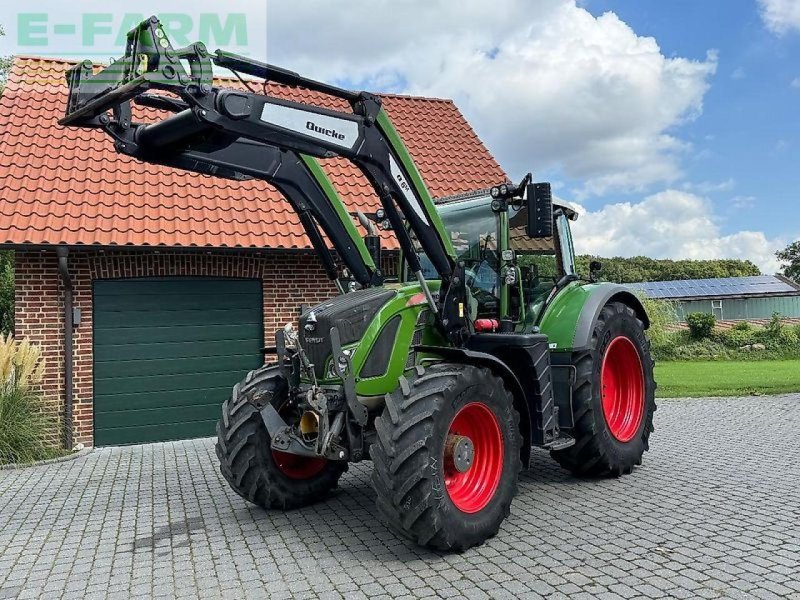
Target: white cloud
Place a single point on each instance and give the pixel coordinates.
(780, 16)
(707, 187)
(743, 202)
(671, 224)
(795, 83)
(738, 73)
(552, 87)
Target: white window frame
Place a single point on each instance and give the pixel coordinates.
(717, 305)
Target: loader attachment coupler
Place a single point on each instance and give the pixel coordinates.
(150, 61)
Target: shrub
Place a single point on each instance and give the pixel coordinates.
(664, 348)
(705, 349)
(737, 337)
(661, 313)
(701, 325)
(6, 291)
(788, 338)
(668, 347)
(23, 425)
(728, 345)
(778, 336)
(742, 326)
(775, 326)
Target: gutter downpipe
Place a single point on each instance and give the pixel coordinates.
(62, 253)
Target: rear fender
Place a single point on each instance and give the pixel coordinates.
(569, 319)
(595, 303)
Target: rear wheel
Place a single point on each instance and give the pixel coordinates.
(614, 397)
(447, 456)
(257, 473)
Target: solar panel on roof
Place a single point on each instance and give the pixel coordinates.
(726, 286)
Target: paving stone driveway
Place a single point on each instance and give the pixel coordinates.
(713, 513)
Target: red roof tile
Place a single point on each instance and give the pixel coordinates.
(68, 186)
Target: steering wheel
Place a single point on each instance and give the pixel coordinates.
(471, 273)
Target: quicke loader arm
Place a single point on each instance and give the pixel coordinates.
(188, 145)
(216, 131)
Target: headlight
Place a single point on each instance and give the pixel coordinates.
(342, 363)
(511, 276)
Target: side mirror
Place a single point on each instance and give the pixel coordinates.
(594, 269)
(540, 210)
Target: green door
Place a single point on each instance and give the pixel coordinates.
(167, 353)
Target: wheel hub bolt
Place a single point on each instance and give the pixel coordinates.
(460, 452)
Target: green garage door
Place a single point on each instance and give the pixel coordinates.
(167, 353)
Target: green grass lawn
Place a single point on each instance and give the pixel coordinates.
(727, 378)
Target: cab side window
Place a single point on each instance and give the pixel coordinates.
(538, 259)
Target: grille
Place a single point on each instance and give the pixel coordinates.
(351, 313)
(416, 339)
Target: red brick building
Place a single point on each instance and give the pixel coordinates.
(175, 277)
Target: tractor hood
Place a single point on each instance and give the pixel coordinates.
(351, 313)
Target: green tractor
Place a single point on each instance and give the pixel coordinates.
(488, 343)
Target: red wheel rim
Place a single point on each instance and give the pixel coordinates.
(622, 383)
(297, 467)
(473, 489)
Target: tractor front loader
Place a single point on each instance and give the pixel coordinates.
(489, 344)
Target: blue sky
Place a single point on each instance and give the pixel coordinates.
(745, 152)
(672, 124)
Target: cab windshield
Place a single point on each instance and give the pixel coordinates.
(474, 231)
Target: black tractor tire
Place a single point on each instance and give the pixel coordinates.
(605, 445)
(247, 462)
(416, 493)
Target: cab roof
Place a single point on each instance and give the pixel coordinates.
(570, 210)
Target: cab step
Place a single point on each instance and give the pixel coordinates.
(561, 443)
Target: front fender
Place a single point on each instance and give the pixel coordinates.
(569, 319)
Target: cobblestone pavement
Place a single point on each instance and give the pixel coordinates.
(714, 512)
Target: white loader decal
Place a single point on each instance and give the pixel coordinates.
(401, 180)
(341, 132)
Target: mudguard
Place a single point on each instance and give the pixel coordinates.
(595, 303)
(569, 319)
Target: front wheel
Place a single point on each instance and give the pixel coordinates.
(614, 397)
(447, 456)
(266, 477)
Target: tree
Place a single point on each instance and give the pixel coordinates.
(642, 268)
(790, 261)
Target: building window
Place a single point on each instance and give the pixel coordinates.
(716, 309)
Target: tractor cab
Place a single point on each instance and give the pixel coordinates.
(510, 270)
